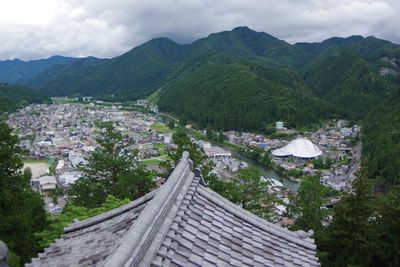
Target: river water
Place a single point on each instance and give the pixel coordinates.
(268, 172)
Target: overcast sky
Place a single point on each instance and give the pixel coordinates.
(32, 29)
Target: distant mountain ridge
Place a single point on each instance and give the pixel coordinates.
(351, 74)
(18, 71)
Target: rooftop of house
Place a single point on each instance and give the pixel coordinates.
(183, 223)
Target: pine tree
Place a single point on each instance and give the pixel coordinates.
(110, 170)
(350, 239)
(21, 209)
(307, 206)
(388, 230)
(248, 190)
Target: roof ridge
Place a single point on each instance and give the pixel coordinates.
(109, 214)
(255, 220)
(135, 244)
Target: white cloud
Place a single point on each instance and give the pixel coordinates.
(105, 28)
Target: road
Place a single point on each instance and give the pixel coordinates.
(169, 116)
(356, 166)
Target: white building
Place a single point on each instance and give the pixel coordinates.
(300, 148)
(279, 125)
(217, 152)
(167, 139)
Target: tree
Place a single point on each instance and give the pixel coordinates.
(388, 230)
(210, 133)
(270, 129)
(136, 183)
(108, 171)
(182, 140)
(171, 124)
(351, 239)
(250, 191)
(306, 209)
(266, 159)
(221, 137)
(21, 209)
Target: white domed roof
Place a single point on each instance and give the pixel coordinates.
(300, 147)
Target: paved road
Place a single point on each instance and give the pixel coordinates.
(169, 116)
(356, 166)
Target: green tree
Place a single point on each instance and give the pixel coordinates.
(351, 239)
(266, 159)
(306, 209)
(109, 170)
(270, 129)
(221, 137)
(21, 209)
(249, 190)
(171, 124)
(210, 133)
(182, 140)
(388, 230)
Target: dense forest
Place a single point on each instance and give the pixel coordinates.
(243, 96)
(346, 80)
(13, 97)
(381, 141)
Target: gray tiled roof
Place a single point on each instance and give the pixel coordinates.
(182, 224)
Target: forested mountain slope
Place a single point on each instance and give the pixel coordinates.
(346, 80)
(13, 97)
(381, 141)
(242, 96)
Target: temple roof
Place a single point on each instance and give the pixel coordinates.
(183, 223)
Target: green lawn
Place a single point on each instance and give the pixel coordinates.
(197, 135)
(159, 146)
(63, 100)
(152, 161)
(160, 127)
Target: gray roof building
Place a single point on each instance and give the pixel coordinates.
(183, 223)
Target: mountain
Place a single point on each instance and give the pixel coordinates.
(135, 74)
(17, 71)
(145, 68)
(381, 141)
(345, 79)
(379, 53)
(13, 97)
(237, 95)
(248, 45)
(353, 74)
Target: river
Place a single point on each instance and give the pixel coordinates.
(268, 172)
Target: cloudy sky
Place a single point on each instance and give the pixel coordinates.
(32, 29)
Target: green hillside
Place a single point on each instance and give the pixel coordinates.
(144, 69)
(381, 141)
(347, 81)
(242, 96)
(133, 75)
(13, 97)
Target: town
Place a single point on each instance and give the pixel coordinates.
(60, 136)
